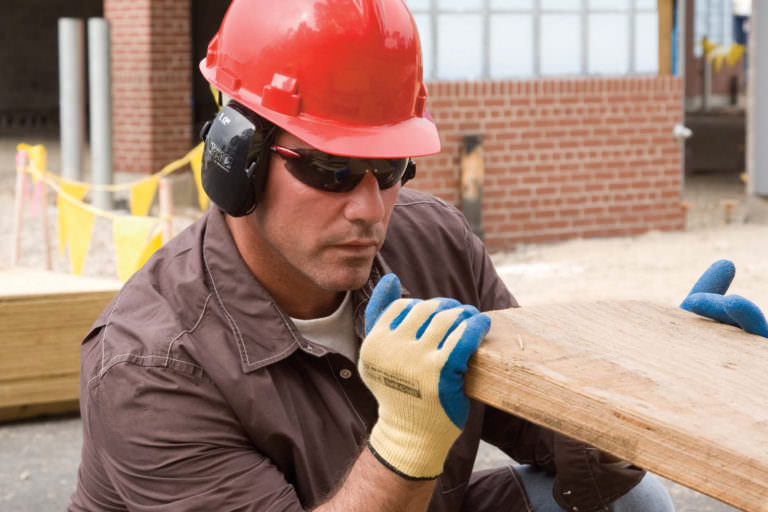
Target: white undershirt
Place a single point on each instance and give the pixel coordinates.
(335, 331)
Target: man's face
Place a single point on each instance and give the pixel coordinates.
(323, 239)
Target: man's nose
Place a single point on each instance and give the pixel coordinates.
(365, 202)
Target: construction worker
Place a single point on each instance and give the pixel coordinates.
(229, 372)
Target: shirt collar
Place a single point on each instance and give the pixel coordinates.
(263, 331)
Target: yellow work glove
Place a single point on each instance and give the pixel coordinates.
(413, 360)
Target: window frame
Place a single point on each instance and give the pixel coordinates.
(433, 12)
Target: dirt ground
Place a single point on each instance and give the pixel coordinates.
(38, 466)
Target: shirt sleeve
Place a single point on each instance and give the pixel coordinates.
(493, 293)
(163, 442)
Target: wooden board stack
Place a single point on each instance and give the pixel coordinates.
(43, 318)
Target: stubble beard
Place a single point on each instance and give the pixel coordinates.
(340, 273)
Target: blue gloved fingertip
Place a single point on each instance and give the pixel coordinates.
(746, 314)
(444, 304)
(451, 384)
(386, 291)
(710, 305)
(716, 279)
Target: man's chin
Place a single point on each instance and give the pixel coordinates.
(348, 276)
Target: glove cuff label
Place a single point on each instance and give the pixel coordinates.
(393, 381)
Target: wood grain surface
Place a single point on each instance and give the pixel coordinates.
(677, 394)
(43, 318)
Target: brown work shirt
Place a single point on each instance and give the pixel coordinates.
(198, 393)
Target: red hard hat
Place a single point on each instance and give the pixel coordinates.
(343, 75)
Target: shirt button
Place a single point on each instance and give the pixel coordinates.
(345, 373)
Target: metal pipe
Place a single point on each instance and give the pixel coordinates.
(757, 106)
(71, 96)
(100, 109)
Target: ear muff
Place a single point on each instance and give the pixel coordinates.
(235, 165)
(410, 172)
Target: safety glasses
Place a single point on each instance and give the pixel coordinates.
(334, 173)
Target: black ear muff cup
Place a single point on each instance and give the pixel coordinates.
(234, 161)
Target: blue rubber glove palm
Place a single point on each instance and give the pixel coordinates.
(413, 360)
(707, 298)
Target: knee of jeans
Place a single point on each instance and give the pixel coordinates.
(649, 495)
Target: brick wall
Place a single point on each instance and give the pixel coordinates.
(588, 157)
(151, 82)
(563, 158)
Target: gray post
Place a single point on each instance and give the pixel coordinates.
(71, 96)
(100, 109)
(757, 126)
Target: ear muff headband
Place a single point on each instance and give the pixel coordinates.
(235, 165)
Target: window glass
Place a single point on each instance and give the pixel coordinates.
(459, 46)
(560, 44)
(645, 4)
(608, 44)
(612, 5)
(512, 4)
(561, 5)
(415, 5)
(511, 46)
(424, 24)
(646, 43)
(459, 5)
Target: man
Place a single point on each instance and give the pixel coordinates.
(224, 376)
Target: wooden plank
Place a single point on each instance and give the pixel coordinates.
(22, 282)
(35, 410)
(677, 394)
(666, 12)
(43, 319)
(50, 390)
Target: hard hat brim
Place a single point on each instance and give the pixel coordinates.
(416, 136)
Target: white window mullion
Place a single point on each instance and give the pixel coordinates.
(435, 29)
(584, 37)
(536, 40)
(486, 71)
(631, 38)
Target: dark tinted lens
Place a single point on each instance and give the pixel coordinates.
(340, 173)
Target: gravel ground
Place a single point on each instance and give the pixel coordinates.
(40, 457)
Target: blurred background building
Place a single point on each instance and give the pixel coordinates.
(573, 102)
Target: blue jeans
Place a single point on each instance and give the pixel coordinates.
(647, 496)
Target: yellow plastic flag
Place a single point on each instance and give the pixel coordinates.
(154, 244)
(79, 229)
(37, 159)
(707, 46)
(131, 236)
(64, 207)
(142, 194)
(196, 163)
(735, 53)
(216, 96)
(717, 61)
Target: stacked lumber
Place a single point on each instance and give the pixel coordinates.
(43, 318)
(677, 394)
